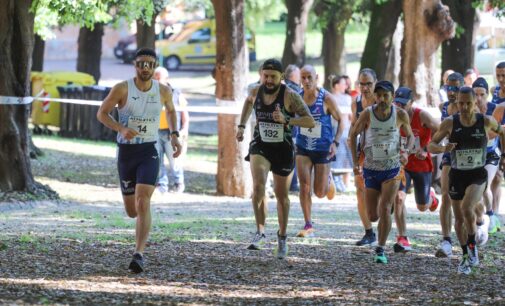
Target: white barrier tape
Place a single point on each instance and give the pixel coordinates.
(225, 107)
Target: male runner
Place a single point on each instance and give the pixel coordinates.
(139, 101)
(316, 147)
(366, 82)
(271, 149)
(418, 168)
(487, 222)
(454, 82)
(381, 169)
(467, 133)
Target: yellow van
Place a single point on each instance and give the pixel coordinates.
(195, 44)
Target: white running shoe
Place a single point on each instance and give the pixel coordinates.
(257, 242)
(445, 249)
(473, 255)
(464, 266)
(483, 231)
(282, 247)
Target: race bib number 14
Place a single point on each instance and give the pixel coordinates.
(271, 132)
(146, 127)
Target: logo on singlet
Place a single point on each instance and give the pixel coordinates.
(135, 98)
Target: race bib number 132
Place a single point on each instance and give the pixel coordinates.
(271, 132)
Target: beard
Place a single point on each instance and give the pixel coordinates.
(145, 77)
(270, 91)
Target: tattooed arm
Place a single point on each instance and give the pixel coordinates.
(294, 104)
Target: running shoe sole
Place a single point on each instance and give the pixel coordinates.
(136, 267)
(401, 249)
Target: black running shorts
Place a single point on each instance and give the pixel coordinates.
(459, 180)
(281, 156)
(137, 164)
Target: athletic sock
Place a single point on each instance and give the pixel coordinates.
(379, 249)
(471, 239)
(448, 239)
(490, 213)
(465, 250)
(369, 232)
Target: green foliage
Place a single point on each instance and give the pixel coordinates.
(498, 5)
(257, 12)
(50, 13)
(335, 10)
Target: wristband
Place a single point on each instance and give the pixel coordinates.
(176, 133)
(287, 120)
(336, 143)
(241, 126)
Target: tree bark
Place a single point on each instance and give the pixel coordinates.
(394, 58)
(233, 178)
(379, 40)
(38, 54)
(16, 46)
(458, 53)
(296, 25)
(427, 25)
(333, 51)
(146, 34)
(89, 50)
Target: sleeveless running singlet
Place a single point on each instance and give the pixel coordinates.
(382, 142)
(496, 96)
(141, 113)
(422, 136)
(320, 137)
(267, 130)
(470, 152)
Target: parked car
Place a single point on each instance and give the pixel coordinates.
(122, 44)
(195, 44)
(486, 57)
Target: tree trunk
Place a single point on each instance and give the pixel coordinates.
(233, 178)
(458, 53)
(89, 51)
(296, 25)
(38, 54)
(379, 40)
(145, 33)
(427, 25)
(394, 58)
(16, 46)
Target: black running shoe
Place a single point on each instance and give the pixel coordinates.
(367, 240)
(137, 264)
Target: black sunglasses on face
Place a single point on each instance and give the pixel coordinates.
(451, 88)
(145, 64)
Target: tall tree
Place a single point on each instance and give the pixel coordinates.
(296, 26)
(232, 172)
(89, 50)
(427, 24)
(38, 53)
(146, 35)
(458, 53)
(16, 45)
(379, 41)
(333, 18)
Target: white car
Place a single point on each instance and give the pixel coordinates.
(486, 58)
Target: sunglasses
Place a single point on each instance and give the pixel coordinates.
(145, 64)
(367, 84)
(451, 88)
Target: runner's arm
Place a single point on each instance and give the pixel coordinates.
(428, 121)
(114, 98)
(492, 125)
(335, 112)
(295, 104)
(405, 127)
(444, 131)
(246, 113)
(356, 129)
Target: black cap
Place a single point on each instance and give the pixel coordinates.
(272, 64)
(145, 52)
(386, 85)
(481, 82)
(403, 95)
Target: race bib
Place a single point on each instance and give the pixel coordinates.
(271, 132)
(417, 144)
(314, 132)
(383, 151)
(146, 127)
(469, 159)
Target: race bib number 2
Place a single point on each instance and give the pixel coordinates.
(469, 159)
(383, 151)
(271, 132)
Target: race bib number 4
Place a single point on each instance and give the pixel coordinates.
(146, 127)
(314, 132)
(469, 159)
(271, 132)
(383, 151)
(417, 144)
